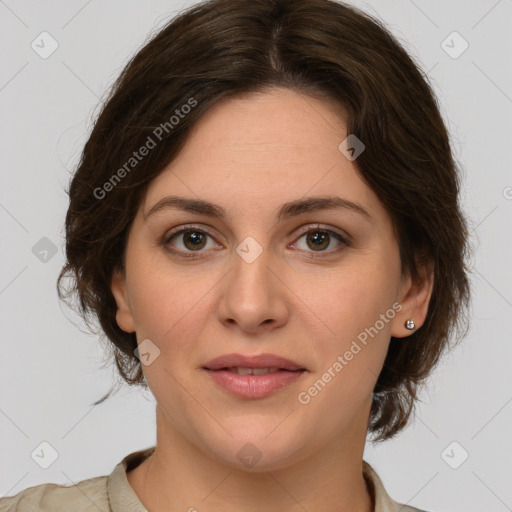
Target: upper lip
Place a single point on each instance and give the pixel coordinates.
(254, 361)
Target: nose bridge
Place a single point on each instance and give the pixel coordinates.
(253, 296)
(251, 277)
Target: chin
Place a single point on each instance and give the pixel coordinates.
(258, 453)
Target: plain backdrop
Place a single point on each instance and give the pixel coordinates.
(50, 371)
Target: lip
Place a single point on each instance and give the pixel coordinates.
(253, 386)
(254, 361)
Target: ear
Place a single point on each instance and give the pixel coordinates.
(414, 296)
(124, 315)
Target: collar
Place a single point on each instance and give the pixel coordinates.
(121, 495)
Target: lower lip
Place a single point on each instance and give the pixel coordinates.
(254, 386)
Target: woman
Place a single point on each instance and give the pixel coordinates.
(265, 222)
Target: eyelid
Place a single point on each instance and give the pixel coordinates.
(323, 227)
(204, 228)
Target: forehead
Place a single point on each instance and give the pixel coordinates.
(271, 121)
(263, 149)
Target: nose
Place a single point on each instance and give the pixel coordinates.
(254, 296)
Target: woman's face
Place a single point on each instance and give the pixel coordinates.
(321, 287)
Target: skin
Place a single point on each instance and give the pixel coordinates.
(285, 302)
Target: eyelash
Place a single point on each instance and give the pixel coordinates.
(345, 241)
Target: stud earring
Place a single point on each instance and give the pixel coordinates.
(410, 324)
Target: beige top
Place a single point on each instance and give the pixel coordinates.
(113, 493)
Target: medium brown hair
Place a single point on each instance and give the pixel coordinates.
(323, 48)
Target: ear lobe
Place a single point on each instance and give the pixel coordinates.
(124, 315)
(416, 294)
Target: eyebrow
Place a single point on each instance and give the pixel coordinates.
(287, 210)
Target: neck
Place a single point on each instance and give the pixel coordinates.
(179, 476)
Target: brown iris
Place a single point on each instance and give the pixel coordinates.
(320, 239)
(196, 238)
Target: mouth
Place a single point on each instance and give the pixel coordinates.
(253, 376)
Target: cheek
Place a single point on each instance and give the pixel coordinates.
(354, 298)
(169, 306)
(170, 313)
(357, 306)
(159, 298)
(358, 310)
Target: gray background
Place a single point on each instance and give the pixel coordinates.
(50, 371)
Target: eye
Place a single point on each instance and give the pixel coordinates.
(319, 239)
(192, 242)
(188, 241)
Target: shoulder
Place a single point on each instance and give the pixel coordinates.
(383, 501)
(87, 495)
